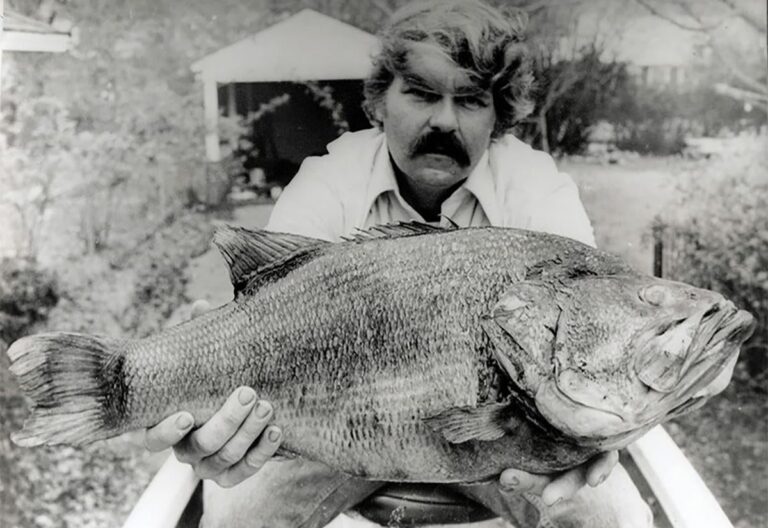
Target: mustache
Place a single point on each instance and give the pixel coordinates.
(445, 143)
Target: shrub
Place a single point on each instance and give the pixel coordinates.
(571, 95)
(718, 238)
(26, 295)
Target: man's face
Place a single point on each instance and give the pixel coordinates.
(438, 123)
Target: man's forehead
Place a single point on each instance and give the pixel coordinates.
(430, 68)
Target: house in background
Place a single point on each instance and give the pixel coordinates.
(23, 33)
(659, 52)
(20, 33)
(284, 74)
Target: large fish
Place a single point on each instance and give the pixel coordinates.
(408, 353)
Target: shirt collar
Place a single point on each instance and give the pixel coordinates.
(480, 182)
(382, 175)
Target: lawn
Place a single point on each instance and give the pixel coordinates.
(621, 201)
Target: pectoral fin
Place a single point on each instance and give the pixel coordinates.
(461, 424)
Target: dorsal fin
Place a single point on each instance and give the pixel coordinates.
(450, 221)
(246, 250)
(399, 229)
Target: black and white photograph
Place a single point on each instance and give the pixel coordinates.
(383, 263)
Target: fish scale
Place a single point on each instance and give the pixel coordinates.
(407, 353)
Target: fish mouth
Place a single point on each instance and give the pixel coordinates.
(669, 355)
(708, 363)
(708, 369)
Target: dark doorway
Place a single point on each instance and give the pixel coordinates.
(298, 126)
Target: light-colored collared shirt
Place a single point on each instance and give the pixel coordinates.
(354, 187)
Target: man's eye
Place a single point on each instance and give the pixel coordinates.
(422, 95)
(472, 102)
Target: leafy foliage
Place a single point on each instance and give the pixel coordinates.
(26, 295)
(655, 120)
(572, 95)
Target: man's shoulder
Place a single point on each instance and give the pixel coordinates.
(517, 166)
(349, 158)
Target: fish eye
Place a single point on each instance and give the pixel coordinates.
(655, 295)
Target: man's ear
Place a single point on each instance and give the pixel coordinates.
(380, 110)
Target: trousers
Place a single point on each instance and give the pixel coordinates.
(299, 493)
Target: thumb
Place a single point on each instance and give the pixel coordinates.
(518, 481)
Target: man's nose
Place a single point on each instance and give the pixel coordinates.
(443, 116)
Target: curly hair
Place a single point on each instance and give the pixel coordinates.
(483, 41)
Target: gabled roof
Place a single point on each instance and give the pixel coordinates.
(22, 33)
(305, 46)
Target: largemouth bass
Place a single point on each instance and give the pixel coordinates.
(408, 353)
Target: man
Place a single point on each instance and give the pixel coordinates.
(450, 82)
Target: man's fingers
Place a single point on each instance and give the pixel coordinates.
(219, 429)
(564, 486)
(234, 450)
(518, 481)
(600, 467)
(253, 460)
(168, 432)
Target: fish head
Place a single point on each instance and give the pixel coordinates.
(624, 352)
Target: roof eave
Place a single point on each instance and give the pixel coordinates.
(35, 42)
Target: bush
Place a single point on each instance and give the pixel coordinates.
(26, 295)
(718, 239)
(656, 120)
(571, 96)
(662, 137)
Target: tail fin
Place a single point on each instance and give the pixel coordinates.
(75, 383)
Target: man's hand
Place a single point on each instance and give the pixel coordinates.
(231, 446)
(553, 489)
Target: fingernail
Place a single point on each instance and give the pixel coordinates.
(273, 435)
(184, 421)
(246, 396)
(510, 482)
(602, 479)
(262, 410)
(551, 501)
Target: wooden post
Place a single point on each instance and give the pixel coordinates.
(211, 109)
(231, 102)
(658, 247)
(2, 26)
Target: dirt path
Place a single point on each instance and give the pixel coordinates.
(207, 275)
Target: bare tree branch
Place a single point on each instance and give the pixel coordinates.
(383, 6)
(751, 81)
(743, 95)
(732, 63)
(753, 19)
(649, 6)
